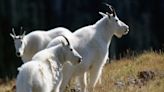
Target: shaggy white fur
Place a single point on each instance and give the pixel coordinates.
(92, 42)
(27, 45)
(43, 73)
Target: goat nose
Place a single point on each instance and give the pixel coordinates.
(18, 54)
(127, 26)
(80, 60)
(126, 29)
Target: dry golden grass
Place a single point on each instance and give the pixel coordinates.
(120, 71)
(7, 85)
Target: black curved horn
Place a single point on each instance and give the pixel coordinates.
(112, 10)
(66, 39)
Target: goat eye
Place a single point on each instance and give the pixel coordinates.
(71, 49)
(116, 20)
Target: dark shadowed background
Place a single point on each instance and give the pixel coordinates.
(144, 17)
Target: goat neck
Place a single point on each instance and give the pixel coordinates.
(104, 30)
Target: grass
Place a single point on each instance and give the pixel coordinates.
(117, 75)
(7, 85)
(126, 68)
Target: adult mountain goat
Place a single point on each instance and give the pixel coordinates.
(92, 42)
(43, 72)
(27, 45)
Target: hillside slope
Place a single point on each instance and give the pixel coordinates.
(142, 73)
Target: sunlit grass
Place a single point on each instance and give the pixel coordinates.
(7, 85)
(120, 71)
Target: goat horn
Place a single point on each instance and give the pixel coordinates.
(24, 33)
(112, 9)
(13, 31)
(66, 39)
(21, 30)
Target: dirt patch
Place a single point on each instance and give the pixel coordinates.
(142, 79)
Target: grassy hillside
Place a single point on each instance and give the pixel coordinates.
(142, 73)
(124, 75)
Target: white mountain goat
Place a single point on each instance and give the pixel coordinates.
(92, 42)
(43, 72)
(27, 45)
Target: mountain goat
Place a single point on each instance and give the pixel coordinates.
(43, 72)
(92, 42)
(27, 45)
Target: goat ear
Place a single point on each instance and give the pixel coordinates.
(19, 69)
(103, 14)
(63, 43)
(12, 35)
(109, 15)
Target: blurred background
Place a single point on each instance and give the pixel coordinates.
(144, 17)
